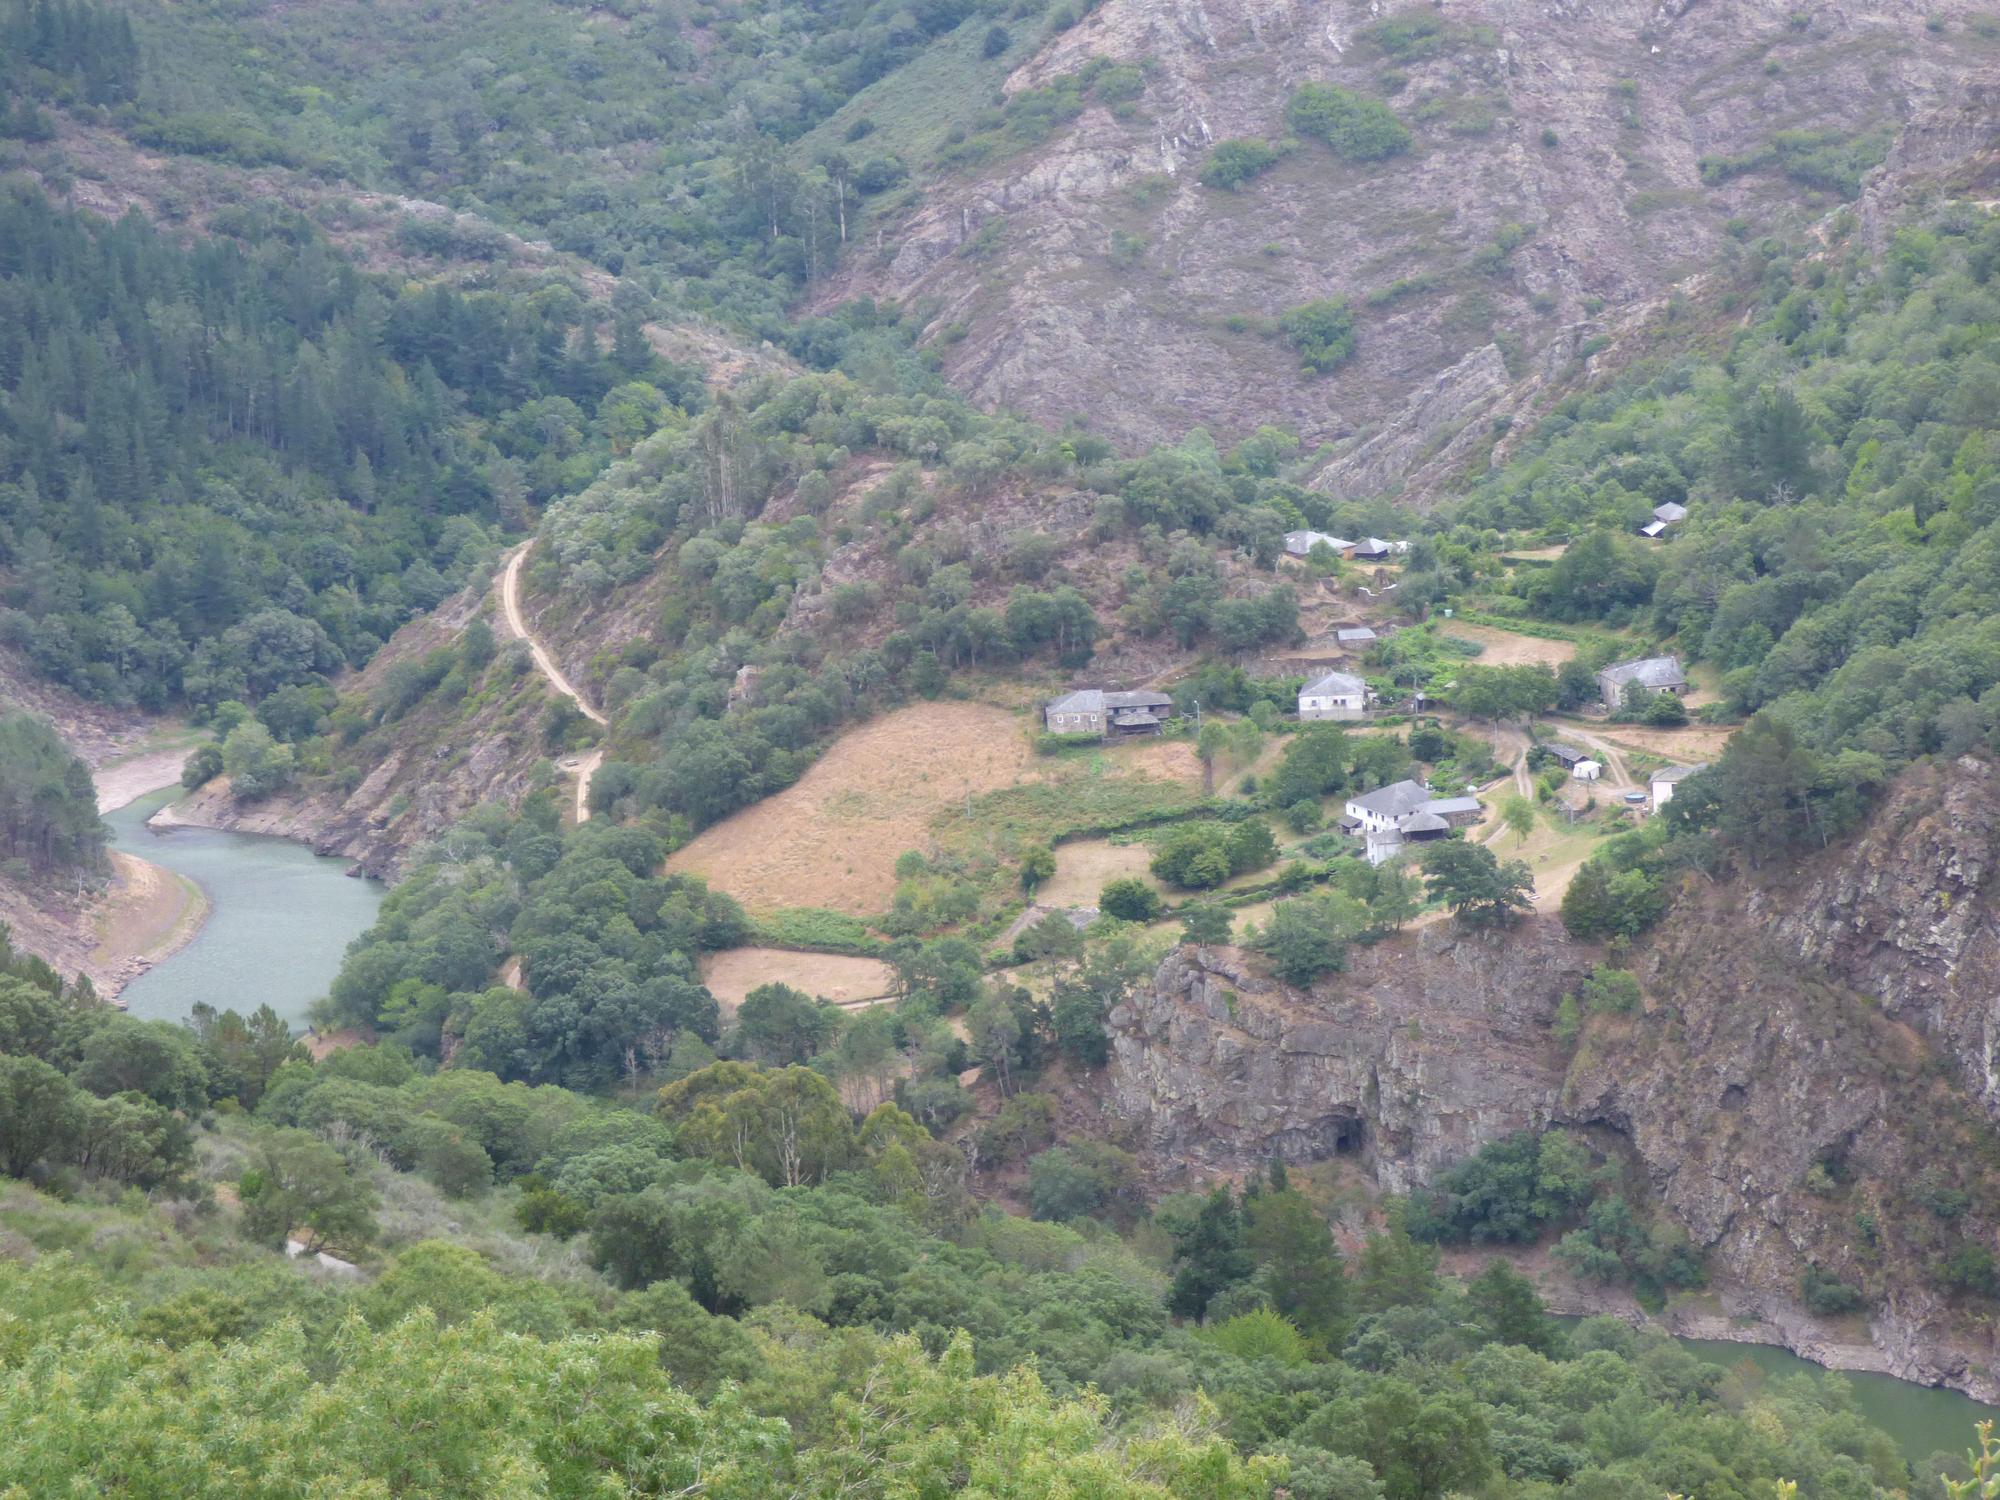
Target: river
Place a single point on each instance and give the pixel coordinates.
(280, 917)
(1923, 1419)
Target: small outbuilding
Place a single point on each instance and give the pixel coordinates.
(1662, 783)
(1586, 770)
(1354, 635)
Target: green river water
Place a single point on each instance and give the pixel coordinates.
(1922, 1419)
(280, 917)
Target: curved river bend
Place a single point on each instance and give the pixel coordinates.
(280, 918)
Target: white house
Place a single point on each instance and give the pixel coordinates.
(1387, 806)
(1586, 770)
(1405, 812)
(1337, 695)
(1663, 783)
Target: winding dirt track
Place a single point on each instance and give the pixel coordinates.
(583, 767)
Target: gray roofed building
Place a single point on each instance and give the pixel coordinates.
(1566, 755)
(1454, 810)
(1336, 695)
(1662, 783)
(1388, 803)
(1093, 711)
(1353, 634)
(1670, 512)
(1423, 821)
(1660, 674)
(1653, 528)
(1335, 682)
(1301, 543)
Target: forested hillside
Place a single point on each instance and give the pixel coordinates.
(840, 383)
(632, 1301)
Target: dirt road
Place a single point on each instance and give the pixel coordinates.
(582, 767)
(1616, 773)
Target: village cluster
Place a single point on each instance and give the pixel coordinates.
(1405, 812)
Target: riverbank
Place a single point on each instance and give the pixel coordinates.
(1735, 1315)
(148, 914)
(280, 921)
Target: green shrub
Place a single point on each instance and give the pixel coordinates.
(1322, 332)
(1129, 900)
(1826, 1295)
(1235, 162)
(1356, 127)
(203, 766)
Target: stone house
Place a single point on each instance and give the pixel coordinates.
(1095, 711)
(1659, 674)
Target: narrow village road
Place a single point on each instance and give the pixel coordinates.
(583, 767)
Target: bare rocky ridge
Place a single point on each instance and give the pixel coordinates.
(1820, 1020)
(1636, 94)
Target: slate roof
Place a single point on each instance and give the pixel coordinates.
(1393, 800)
(1355, 633)
(1096, 700)
(1301, 542)
(1671, 511)
(1449, 805)
(1677, 773)
(1345, 684)
(1653, 671)
(1569, 755)
(1423, 821)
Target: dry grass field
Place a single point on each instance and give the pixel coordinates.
(735, 972)
(1506, 649)
(1083, 867)
(832, 839)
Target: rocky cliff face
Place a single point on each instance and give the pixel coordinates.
(1795, 1089)
(1098, 277)
(1906, 915)
(1432, 1046)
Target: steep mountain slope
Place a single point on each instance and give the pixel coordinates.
(1787, 1088)
(1572, 166)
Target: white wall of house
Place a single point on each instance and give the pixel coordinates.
(1663, 793)
(1371, 821)
(1331, 706)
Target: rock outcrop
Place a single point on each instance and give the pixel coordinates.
(1802, 1087)
(1092, 274)
(1429, 1048)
